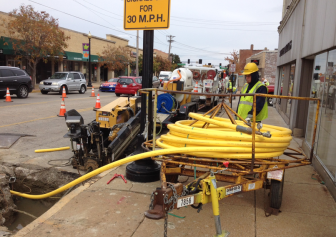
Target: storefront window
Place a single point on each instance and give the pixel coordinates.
(290, 89)
(316, 92)
(281, 81)
(76, 66)
(326, 148)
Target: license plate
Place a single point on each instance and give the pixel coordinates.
(234, 189)
(276, 174)
(185, 201)
(124, 85)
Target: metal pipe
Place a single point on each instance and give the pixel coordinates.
(154, 119)
(314, 133)
(253, 130)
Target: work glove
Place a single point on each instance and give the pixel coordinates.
(249, 116)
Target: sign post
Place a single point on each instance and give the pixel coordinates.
(147, 16)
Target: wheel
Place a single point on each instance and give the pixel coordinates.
(82, 90)
(117, 94)
(22, 92)
(270, 101)
(61, 90)
(276, 192)
(44, 92)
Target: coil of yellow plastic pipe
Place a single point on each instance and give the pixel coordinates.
(222, 133)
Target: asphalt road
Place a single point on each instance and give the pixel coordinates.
(37, 116)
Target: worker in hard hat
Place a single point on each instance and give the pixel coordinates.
(252, 85)
(230, 86)
(264, 81)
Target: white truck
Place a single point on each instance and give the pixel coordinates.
(164, 76)
(208, 81)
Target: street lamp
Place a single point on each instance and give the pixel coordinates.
(89, 83)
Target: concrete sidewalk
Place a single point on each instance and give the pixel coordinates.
(117, 209)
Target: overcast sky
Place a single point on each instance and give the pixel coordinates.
(205, 30)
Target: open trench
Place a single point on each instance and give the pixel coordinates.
(17, 212)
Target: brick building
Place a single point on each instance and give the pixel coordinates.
(246, 53)
(267, 63)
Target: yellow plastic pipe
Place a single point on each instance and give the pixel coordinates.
(52, 149)
(118, 163)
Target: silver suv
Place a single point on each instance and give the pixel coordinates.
(72, 81)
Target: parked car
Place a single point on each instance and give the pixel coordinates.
(72, 81)
(128, 85)
(16, 80)
(270, 90)
(109, 85)
(156, 82)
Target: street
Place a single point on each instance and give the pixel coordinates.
(37, 116)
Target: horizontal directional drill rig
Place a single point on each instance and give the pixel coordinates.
(108, 137)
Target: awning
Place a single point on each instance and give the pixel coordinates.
(74, 56)
(94, 59)
(6, 46)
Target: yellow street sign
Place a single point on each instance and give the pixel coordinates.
(146, 14)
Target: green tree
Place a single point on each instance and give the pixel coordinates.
(176, 58)
(164, 64)
(35, 36)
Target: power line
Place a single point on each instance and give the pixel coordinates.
(208, 28)
(81, 18)
(171, 37)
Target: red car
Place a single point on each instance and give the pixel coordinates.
(128, 85)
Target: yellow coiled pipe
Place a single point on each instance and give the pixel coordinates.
(222, 133)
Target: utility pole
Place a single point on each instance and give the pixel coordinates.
(137, 55)
(170, 40)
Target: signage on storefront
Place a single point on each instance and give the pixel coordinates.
(133, 54)
(146, 15)
(255, 61)
(286, 48)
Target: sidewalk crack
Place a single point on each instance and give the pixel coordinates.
(138, 226)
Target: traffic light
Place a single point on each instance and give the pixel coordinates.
(209, 64)
(220, 65)
(188, 61)
(200, 61)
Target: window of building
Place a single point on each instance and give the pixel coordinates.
(76, 66)
(324, 87)
(290, 86)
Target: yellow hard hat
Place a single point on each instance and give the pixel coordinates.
(250, 68)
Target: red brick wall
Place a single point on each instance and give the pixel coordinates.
(246, 53)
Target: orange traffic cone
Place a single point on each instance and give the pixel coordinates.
(196, 87)
(64, 93)
(8, 97)
(62, 110)
(97, 103)
(92, 93)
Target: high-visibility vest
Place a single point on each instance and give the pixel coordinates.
(234, 89)
(267, 83)
(230, 85)
(246, 103)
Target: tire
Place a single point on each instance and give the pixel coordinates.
(82, 90)
(61, 90)
(117, 94)
(44, 92)
(276, 192)
(22, 92)
(269, 101)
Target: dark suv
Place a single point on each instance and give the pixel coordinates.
(16, 80)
